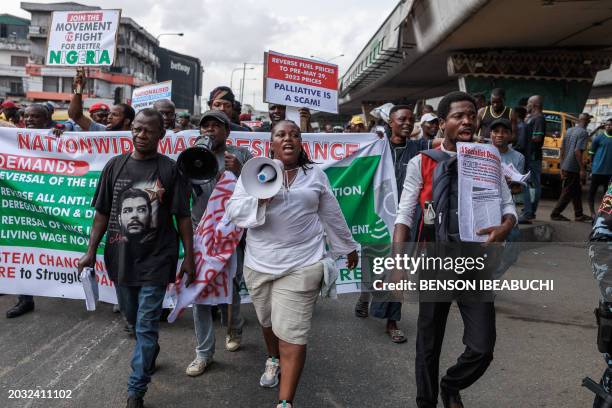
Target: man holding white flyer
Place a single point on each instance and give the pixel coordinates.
(428, 174)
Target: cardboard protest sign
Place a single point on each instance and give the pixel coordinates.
(79, 38)
(300, 82)
(252, 123)
(145, 96)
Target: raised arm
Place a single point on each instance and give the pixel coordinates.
(75, 109)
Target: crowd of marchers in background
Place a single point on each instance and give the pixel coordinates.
(284, 313)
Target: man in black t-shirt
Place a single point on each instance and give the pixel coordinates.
(139, 195)
(536, 131)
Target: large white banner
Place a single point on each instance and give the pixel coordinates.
(47, 183)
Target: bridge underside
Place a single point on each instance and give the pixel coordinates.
(476, 45)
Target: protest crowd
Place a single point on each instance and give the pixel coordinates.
(284, 247)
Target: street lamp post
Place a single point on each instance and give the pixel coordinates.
(242, 80)
(232, 76)
(244, 68)
(177, 34)
(327, 60)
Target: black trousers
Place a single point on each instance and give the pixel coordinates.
(571, 191)
(478, 338)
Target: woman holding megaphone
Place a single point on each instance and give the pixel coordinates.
(285, 252)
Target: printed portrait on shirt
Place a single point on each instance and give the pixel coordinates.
(136, 211)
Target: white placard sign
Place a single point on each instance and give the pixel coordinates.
(83, 38)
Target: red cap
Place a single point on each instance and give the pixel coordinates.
(9, 105)
(98, 106)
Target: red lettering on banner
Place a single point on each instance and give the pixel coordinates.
(180, 145)
(82, 17)
(43, 165)
(242, 142)
(302, 71)
(165, 145)
(16, 258)
(58, 261)
(102, 144)
(306, 148)
(320, 150)
(100, 266)
(7, 272)
(351, 148)
(334, 151)
(104, 280)
(256, 148)
(126, 145)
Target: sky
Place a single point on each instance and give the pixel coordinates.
(225, 34)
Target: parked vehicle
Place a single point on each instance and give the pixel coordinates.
(557, 124)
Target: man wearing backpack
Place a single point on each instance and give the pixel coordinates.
(139, 199)
(457, 113)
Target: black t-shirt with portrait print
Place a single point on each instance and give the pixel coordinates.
(140, 197)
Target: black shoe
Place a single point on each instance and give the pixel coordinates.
(361, 309)
(22, 307)
(129, 329)
(135, 402)
(164, 315)
(559, 217)
(450, 399)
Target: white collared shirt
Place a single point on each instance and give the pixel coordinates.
(288, 232)
(413, 184)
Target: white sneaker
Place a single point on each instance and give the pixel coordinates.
(269, 379)
(284, 405)
(196, 367)
(232, 341)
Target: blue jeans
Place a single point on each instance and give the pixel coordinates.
(386, 310)
(531, 206)
(203, 323)
(143, 305)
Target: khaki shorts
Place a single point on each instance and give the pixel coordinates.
(285, 302)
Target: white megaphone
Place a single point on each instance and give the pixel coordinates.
(262, 177)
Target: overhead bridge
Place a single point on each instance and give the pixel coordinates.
(426, 48)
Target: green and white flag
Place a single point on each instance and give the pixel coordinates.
(47, 183)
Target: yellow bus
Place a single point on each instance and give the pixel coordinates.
(557, 124)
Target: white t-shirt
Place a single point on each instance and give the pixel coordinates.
(288, 233)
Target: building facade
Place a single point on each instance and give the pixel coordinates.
(14, 55)
(186, 74)
(136, 63)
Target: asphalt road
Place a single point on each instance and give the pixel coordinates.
(545, 346)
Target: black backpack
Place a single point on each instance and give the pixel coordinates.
(165, 172)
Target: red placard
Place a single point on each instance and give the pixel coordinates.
(302, 71)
